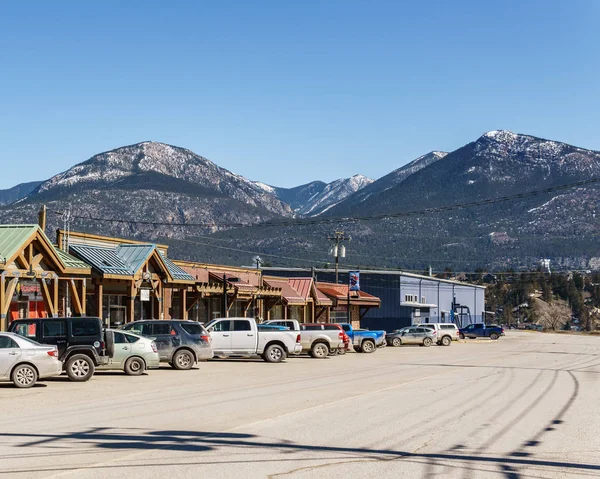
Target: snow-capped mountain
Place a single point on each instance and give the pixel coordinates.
(129, 163)
(152, 183)
(316, 197)
(386, 182)
(561, 225)
(333, 193)
(499, 163)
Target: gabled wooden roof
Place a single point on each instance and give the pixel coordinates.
(15, 238)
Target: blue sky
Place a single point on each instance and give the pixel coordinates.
(289, 92)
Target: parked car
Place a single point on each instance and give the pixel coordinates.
(24, 361)
(84, 346)
(130, 352)
(180, 343)
(80, 341)
(319, 339)
(241, 337)
(445, 332)
(363, 340)
(480, 330)
(291, 324)
(412, 335)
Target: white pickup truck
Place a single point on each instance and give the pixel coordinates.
(319, 340)
(241, 337)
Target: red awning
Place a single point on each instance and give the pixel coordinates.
(339, 293)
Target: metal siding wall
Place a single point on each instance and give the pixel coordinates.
(391, 288)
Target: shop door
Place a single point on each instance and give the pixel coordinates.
(117, 316)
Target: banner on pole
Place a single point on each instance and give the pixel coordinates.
(354, 280)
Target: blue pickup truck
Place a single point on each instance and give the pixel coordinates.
(480, 330)
(363, 340)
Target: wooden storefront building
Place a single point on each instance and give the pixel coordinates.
(223, 291)
(36, 278)
(129, 280)
(301, 300)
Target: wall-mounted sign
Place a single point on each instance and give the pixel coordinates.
(144, 295)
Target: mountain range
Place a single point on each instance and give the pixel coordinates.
(223, 217)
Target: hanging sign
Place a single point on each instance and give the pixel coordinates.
(144, 295)
(354, 280)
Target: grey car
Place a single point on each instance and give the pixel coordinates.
(180, 343)
(24, 361)
(411, 335)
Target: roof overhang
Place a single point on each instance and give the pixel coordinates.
(417, 305)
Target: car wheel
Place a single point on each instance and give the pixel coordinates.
(446, 341)
(494, 336)
(427, 342)
(461, 336)
(24, 376)
(396, 342)
(275, 354)
(134, 366)
(80, 368)
(183, 360)
(320, 350)
(367, 346)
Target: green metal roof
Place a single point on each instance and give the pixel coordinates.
(177, 272)
(135, 255)
(104, 260)
(71, 261)
(12, 238)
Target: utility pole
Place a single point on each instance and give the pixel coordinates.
(338, 250)
(65, 248)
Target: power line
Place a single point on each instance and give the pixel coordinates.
(314, 221)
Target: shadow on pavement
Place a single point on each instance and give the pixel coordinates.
(230, 443)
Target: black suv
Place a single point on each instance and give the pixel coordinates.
(180, 343)
(80, 342)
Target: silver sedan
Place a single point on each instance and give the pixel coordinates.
(411, 335)
(24, 361)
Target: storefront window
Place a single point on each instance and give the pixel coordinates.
(297, 312)
(199, 312)
(216, 307)
(276, 312)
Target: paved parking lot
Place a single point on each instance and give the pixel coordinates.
(523, 406)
